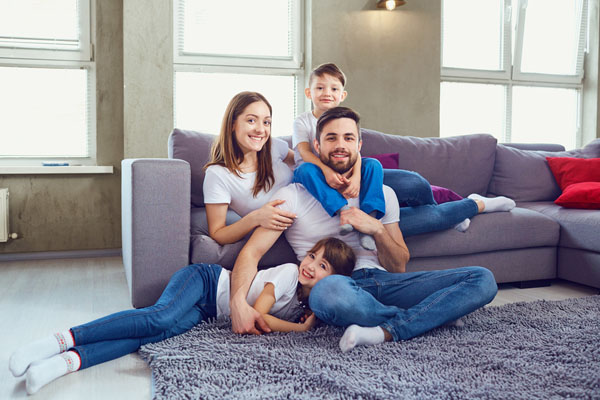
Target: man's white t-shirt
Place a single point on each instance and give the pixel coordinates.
(305, 130)
(314, 223)
(285, 280)
(222, 186)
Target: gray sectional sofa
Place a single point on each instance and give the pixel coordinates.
(164, 221)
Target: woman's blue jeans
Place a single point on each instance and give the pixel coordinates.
(188, 299)
(404, 304)
(421, 215)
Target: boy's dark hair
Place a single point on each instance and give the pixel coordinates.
(337, 113)
(327, 69)
(340, 256)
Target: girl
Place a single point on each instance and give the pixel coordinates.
(194, 294)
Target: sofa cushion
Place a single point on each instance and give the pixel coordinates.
(518, 229)
(463, 164)
(203, 249)
(579, 229)
(523, 175)
(193, 147)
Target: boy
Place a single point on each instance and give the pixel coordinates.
(326, 91)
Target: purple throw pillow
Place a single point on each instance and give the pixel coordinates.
(388, 160)
(443, 195)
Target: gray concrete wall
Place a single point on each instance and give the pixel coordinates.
(391, 59)
(71, 212)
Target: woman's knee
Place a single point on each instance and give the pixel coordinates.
(486, 282)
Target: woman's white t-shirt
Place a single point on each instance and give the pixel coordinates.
(222, 186)
(285, 280)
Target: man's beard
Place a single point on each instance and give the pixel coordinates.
(339, 167)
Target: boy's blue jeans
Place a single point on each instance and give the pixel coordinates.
(422, 215)
(405, 304)
(188, 299)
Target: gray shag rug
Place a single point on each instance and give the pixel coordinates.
(539, 350)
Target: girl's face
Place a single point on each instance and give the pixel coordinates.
(313, 268)
(252, 127)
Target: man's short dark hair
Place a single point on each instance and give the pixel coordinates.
(337, 113)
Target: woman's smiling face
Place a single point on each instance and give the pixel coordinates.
(252, 127)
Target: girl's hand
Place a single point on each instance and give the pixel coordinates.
(335, 180)
(271, 217)
(353, 189)
(309, 320)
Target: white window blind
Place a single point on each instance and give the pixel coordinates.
(223, 48)
(522, 60)
(47, 101)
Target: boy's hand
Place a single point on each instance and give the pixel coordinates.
(353, 189)
(335, 180)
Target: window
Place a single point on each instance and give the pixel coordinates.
(225, 47)
(47, 101)
(514, 69)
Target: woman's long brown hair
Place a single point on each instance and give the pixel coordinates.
(227, 152)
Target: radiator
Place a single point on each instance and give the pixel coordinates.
(3, 215)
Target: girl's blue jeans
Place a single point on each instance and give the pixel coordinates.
(188, 299)
(422, 214)
(405, 304)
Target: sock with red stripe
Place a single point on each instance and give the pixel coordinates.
(41, 349)
(40, 373)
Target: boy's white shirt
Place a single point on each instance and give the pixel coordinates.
(305, 131)
(285, 280)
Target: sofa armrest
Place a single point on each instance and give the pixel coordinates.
(155, 214)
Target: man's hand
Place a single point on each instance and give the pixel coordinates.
(361, 221)
(245, 319)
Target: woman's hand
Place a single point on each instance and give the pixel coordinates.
(271, 217)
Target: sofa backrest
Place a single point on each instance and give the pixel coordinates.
(193, 147)
(463, 164)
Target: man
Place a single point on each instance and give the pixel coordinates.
(382, 300)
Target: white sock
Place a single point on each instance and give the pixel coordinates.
(346, 228)
(358, 335)
(39, 350)
(493, 204)
(463, 226)
(42, 372)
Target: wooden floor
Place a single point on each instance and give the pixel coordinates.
(38, 298)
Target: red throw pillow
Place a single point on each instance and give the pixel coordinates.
(568, 170)
(581, 195)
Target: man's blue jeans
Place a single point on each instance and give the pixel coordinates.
(188, 299)
(422, 214)
(404, 304)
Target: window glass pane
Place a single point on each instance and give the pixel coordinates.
(473, 34)
(544, 115)
(551, 37)
(238, 28)
(39, 23)
(467, 108)
(43, 112)
(201, 99)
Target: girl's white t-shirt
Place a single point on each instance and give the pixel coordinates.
(222, 186)
(285, 280)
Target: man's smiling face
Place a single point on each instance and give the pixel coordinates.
(339, 144)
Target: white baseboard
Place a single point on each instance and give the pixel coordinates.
(51, 255)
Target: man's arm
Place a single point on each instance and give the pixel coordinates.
(245, 319)
(392, 251)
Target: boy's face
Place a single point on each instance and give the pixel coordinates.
(325, 92)
(313, 268)
(339, 145)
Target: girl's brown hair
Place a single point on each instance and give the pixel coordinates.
(340, 256)
(227, 152)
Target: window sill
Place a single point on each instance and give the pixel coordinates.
(69, 170)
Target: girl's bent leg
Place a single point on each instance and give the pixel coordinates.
(410, 187)
(432, 218)
(312, 178)
(371, 187)
(194, 284)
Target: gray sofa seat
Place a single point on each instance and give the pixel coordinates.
(517, 229)
(580, 229)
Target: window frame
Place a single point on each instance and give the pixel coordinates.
(511, 75)
(293, 65)
(58, 59)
